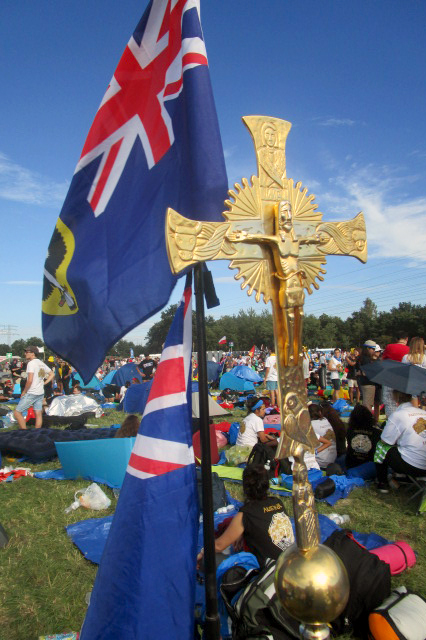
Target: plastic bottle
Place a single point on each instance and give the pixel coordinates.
(75, 505)
(339, 519)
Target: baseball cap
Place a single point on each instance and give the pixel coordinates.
(370, 343)
(32, 349)
(378, 348)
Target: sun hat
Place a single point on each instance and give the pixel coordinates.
(369, 343)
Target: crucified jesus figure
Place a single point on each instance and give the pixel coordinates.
(285, 246)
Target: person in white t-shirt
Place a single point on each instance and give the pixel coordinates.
(252, 429)
(271, 377)
(335, 367)
(38, 374)
(326, 453)
(405, 428)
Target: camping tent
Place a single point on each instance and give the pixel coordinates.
(214, 408)
(213, 370)
(125, 374)
(229, 381)
(246, 373)
(94, 383)
(108, 378)
(136, 397)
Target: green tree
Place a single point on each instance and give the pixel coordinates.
(122, 349)
(5, 348)
(158, 332)
(18, 347)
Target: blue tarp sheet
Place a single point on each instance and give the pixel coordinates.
(90, 536)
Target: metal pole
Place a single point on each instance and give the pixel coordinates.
(212, 622)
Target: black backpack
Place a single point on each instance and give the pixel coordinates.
(253, 606)
(369, 582)
(264, 455)
(219, 492)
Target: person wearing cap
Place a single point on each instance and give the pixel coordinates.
(367, 388)
(252, 429)
(38, 374)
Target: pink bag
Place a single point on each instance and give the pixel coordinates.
(398, 555)
(221, 440)
(272, 419)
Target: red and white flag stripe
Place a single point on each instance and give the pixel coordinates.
(155, 456)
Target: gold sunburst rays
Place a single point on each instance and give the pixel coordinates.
(312, 269)
(245, 201)
(302, 203)
(255, 275)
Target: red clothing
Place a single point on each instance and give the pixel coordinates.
(395, 351)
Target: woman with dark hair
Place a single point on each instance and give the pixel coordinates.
(402, 443)
(326, 453)
(362, 436)
(262, 522)
(252, 429)
(337, 425)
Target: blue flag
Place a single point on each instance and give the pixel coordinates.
(154, 143)
(145, 585)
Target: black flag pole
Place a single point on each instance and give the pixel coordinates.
(212, 622)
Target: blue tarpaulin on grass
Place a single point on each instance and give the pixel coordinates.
(89, 536)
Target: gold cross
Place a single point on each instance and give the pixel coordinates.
(276, 239)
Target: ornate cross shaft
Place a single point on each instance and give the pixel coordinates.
(275, 237)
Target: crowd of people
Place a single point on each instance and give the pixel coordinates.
(402, 442)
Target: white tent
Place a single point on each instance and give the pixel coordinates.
(214, 408)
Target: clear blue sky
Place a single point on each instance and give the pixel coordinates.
(350, 76)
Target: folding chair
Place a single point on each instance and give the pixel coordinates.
(418, 483)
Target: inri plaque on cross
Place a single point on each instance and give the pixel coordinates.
(275, 237)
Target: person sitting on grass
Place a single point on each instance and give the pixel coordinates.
(129, 427)
(363, 435)
(326, 453)
(261, 525)
(252, 429)
(337, 425)
(402, 445)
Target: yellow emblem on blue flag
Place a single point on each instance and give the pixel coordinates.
(58, 297)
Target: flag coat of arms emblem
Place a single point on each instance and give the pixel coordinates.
(154, 143)
(145, 585)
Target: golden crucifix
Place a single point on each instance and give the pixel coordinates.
(275, 237)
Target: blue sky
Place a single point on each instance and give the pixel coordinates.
(350, 76)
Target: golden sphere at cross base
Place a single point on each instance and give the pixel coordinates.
(312, 585)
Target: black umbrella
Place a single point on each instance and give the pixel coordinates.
(408, 378)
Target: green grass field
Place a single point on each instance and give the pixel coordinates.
(45, 579)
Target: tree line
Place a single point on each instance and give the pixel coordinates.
(248, 328)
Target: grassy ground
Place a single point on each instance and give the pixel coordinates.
(44, 578)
